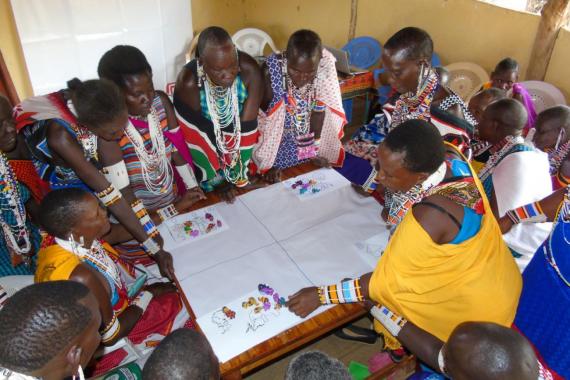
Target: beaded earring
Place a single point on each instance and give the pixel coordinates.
(200, 72)
(421, 78)
(284, 71)
(559, 139)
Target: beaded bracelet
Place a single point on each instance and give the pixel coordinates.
(150, 246)
(392, 322)
(319, 106)
(344, 292)
(143, 300)
(144, 219)
(167, 212)
(111, 330)
(109, 196)
(530, 213)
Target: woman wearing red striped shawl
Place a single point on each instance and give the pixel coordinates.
(217, 99)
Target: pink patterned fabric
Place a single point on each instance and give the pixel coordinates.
(271, 124)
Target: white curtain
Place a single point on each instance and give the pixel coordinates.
(63, 39)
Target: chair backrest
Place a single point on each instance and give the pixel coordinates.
(466, 78)
(544, 95)
(253, 41)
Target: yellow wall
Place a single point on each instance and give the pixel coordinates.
(558, 69)
(463, 30)
(12, 51)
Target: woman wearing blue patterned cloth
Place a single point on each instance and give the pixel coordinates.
(20, 239)
(542, 315)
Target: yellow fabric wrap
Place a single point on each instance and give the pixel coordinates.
(437, 287)
(54, 264)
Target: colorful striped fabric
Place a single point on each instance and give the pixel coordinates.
(199, 134)
(150, 200)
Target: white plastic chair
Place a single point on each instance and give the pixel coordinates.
(253, 41)
(466, 78)
(544, 95)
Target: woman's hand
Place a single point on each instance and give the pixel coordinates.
(505, 224)
(165, 264)
(273, 175)
(304, 302)
(159, 288)
(190, 197)
(227, 192)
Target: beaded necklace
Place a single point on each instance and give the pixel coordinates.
(557, 156)
(96, 255)
(498, 152)
(156, 169)
(223, 108)
(85, 138)
(416, 106)
(16, 235)
(299, 102)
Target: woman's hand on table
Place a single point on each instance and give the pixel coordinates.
(273, 175)
(304, 302)
(321, 162)
(190, 197)
(227, 192)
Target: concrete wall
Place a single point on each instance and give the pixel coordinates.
(12, 51)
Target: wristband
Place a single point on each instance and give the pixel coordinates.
(531, 213)
(111, 330)
(187, 176)
(167, 212)
(117, 174)
(109, 196)
(392, 322)
(143, 300)
(150, 246)
(345, 292)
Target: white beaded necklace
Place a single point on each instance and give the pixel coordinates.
(156, 168)
(17, 236)
(303, 97)
(223, 108)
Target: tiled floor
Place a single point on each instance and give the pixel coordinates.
(344, 350)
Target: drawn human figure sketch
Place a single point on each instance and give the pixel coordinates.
(221, 320)
(196, 225)
(313, 184)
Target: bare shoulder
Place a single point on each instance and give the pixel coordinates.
(163, 98)
(186, 80)
(249, 67)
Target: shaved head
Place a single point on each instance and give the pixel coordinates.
(480, 350)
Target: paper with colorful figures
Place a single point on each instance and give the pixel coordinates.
(196, 225)
(247, 321)
(312, 185)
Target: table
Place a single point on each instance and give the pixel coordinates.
(294, 337)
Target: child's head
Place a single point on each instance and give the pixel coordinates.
(482, 99)
(506, 74)
(502, 118)
(552, 128)
(482, 350)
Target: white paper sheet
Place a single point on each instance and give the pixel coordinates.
(284, 214)
(196, 225)
(372, 248)
(277, 239)
(245, 235)
(245, 322)
(315, 184)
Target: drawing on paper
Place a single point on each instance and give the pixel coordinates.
(196, 225)
(310, 185)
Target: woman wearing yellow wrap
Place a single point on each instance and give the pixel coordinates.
(446, 262)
